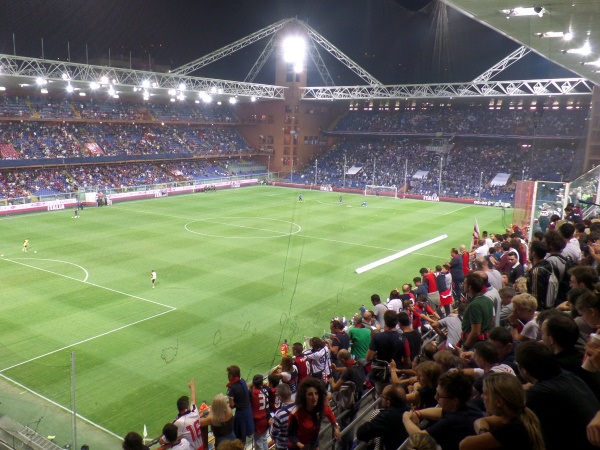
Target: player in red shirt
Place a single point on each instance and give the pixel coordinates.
(284, 348)
(301, 363)
(259, 401)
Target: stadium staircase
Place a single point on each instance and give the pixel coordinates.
(29, 438)
(34, 113)
(76, 113)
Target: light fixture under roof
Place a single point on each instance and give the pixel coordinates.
(552, 34)
(521, 11)
(585, 49)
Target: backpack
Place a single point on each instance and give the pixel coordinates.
(345, 397)
(380, 371)
(558, 281)
(440, 281)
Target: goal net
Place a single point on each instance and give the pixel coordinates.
(386, 191)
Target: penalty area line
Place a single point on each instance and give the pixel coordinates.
(405, 252)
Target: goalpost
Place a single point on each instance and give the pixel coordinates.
(386, 191)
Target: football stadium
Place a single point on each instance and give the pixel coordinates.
(159, 226)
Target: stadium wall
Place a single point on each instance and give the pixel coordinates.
(57, 205)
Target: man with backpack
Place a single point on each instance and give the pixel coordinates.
(347, 391)
(539, 275)
(558, 282)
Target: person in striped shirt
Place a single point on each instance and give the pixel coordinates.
(281, 418)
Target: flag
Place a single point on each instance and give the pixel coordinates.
(145, 434)
(475, 238)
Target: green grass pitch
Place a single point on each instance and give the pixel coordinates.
(238, 271)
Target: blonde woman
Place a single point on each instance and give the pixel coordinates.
(220, 420)
(509, 424)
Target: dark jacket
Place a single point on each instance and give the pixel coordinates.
(386, 425)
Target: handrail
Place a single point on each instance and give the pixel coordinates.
(350, 427)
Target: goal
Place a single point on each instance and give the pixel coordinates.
(386, 191)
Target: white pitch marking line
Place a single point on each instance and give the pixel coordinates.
(87, 274)
(454, 210)
(91, 284)
(86, 340)
(60, 406)
(387, 259)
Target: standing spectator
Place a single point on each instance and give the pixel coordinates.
(281, 418)
(339, 340)
(388, 345)
(516, 270)
(302, 364)
(288, 374)
(433, 295)
(239, 399)
(378, 307)
(360, 337)
(479, 316)
(311, 408)
(539, 275)
(509, 423)
(506, 306)
(452, 323)
(188, 419)
(395, 301)
(221, 420)
(370, 322)
(410, 334)
(319, 357)
(572, 249)
(444, 284)
(560, 399)
(457, 273)
(259, 401)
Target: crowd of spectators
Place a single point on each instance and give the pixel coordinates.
(504, 366)
(37, 140)
(385, 162)
(468, 121)
(113, 110)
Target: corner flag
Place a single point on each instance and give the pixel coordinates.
(475, 238)
(145, 434)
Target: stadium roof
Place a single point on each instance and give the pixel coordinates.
(545, 28)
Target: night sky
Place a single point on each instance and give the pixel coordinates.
(395, 45)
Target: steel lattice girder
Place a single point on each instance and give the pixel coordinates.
(561, 86)
(57, 71)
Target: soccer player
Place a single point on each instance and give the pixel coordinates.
(75, 213)
(25, 245)
(340, 199)
(364, 204)
(300, 198)
(153, 277)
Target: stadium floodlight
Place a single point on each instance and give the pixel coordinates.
(116, 96)
(146, 84)
(172, 99)
(521, 12)
(181, 97)
(2, 88)
(146, 95)
(172, 92)
(205, 97)
(182, 86)
(111, 91)
(232, 100)
(44, 91)
(584, 50)
(40, 81)
(65, 76)
(94, 85)
(70, 88)
(104, 79)
(294, 49)
(82, 94)
(568, 36)
(253, 98)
